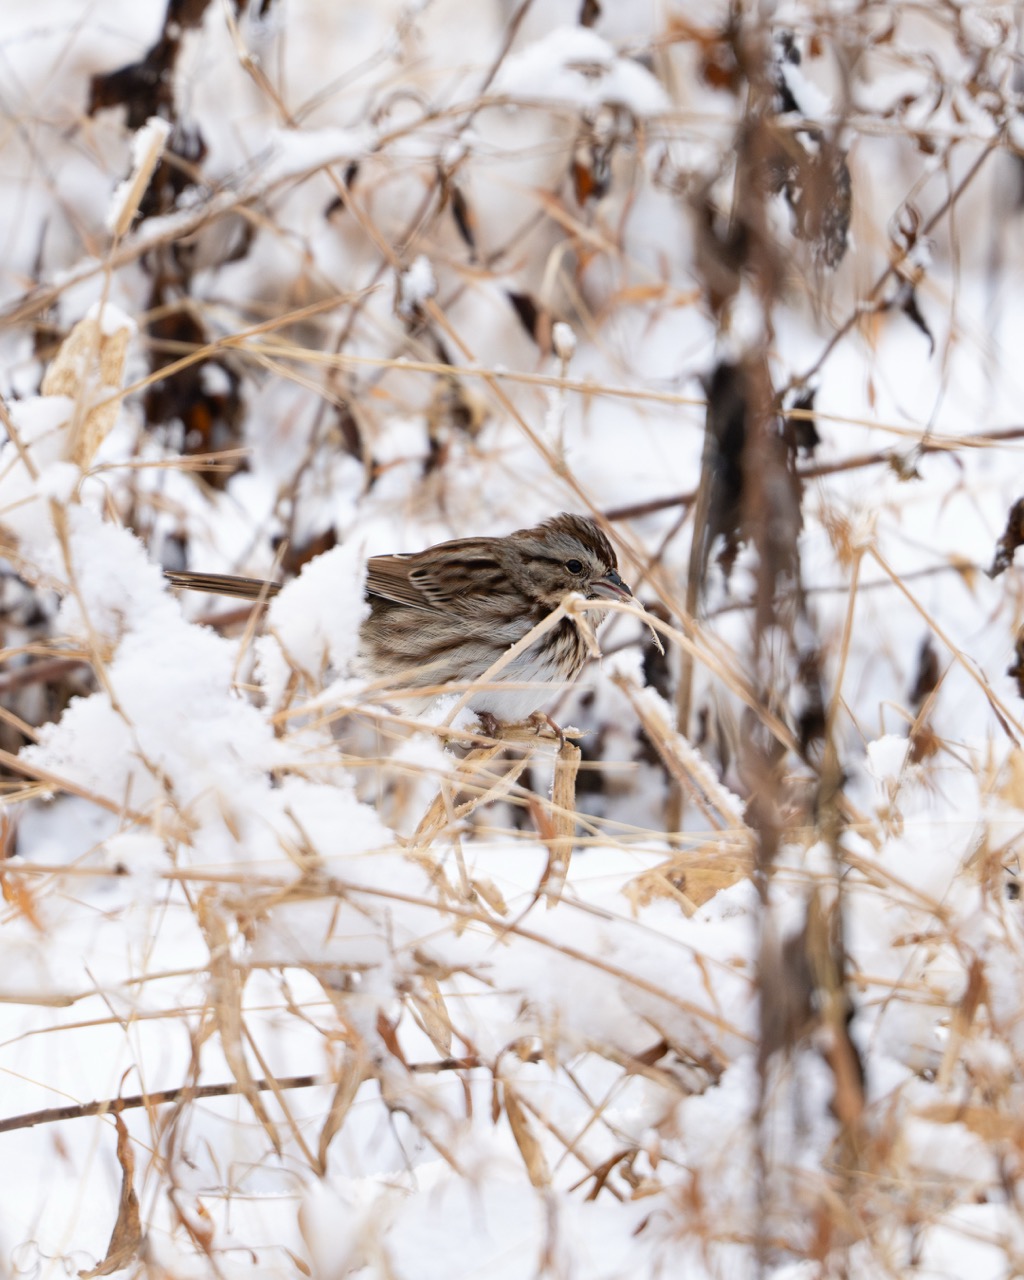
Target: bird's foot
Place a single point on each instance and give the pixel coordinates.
(537, 725)
(540, 720)
(490, 724)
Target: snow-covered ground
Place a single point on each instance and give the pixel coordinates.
(375, 217)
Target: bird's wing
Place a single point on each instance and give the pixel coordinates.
(462, 581)
(388, 578)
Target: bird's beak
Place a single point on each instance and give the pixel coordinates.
(610, 587)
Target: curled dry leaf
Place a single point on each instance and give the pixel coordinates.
(1012, 537)
(906, 301)
(692, 877)
(454, 407)
(926, 679)
(1016, 668)
(799, 425)
(127, 1234)
(432, 1015)
(88, 369)
(463, 215)
(350, 1077)
(532, 316)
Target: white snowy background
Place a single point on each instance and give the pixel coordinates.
(207, 874)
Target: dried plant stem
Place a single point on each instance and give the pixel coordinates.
(447, 811)
(559, 841)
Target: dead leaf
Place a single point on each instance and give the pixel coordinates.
(636, 295)
(526, 1139)
(531, 314)
(127, 1234)
(17, 894)
(491, 894)
(589, 13)
(88, 369)
(226, 984)
(1012, 537)
(1011, 788)
(433, 1016)
(1016, 668)
(350, 1077)
(926, 681)
(988, 1123)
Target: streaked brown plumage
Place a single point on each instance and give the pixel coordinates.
(443, 616)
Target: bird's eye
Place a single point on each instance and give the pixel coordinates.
(574, 566)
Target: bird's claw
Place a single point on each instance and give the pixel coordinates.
(541, 721)
(489, 723)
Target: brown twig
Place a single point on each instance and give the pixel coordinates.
(193, 1093)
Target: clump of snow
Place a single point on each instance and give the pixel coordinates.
(36, 473)
(36, 419)
(563, 339)
(294, 152)
(316, 617)
(111, 319)
(811, 102)
(114, 587)
(886, 757)
(215, 379)
(416, 285)
(167, 702)
(576, 65)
